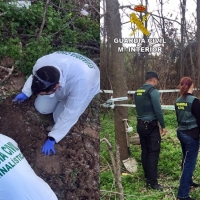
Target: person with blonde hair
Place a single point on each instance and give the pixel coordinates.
(187, 109)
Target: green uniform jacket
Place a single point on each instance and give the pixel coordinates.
(147, 103)
(183, 107)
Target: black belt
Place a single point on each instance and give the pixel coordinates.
(146, 122)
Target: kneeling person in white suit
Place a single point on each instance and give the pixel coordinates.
(18, 181)
(66, 83)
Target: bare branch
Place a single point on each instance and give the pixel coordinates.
(111, 154)
(64, 26)
(43, 20)
(129, 6)
(93, 7)
(166, 18)
(88, 47)
(116, 167)
(118, 174)
(3, 13)
(159, 17)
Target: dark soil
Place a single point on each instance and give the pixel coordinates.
(73, 173)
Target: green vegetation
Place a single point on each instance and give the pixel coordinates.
(134, 184)
(64, 30)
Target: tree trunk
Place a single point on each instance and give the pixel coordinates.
(117, 74)
(183, 5)
(145, 55)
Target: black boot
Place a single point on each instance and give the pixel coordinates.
(195, 185)
(188, 198)
(155, 187)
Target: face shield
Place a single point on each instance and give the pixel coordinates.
(46, 83)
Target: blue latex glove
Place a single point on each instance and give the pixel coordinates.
(20, 97)
(48, 147)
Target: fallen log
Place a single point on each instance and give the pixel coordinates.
(135, 140)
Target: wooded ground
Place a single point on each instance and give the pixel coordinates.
(73, 173)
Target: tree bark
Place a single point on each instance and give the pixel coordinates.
(117, 74)
(183, 6)
(145, 55)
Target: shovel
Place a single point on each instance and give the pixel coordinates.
(130, 163)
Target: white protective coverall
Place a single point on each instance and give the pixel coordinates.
(79, 83)
(18, 181)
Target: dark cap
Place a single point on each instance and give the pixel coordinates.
(151, 74)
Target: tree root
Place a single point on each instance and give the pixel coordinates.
(9, 70)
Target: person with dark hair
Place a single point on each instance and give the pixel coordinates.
(17, 179)
(65, 83)
(187, 109)
(46, 73)
(149, 113)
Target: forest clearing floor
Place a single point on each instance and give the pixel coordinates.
(73, 173)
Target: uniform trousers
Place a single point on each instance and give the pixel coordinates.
(150, 145)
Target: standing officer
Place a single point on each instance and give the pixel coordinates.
(149, 113)
(65, 83)
(188, 117)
